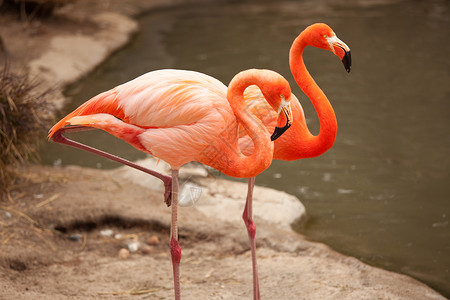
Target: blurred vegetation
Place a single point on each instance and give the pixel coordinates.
(25, 115)
(30, 9)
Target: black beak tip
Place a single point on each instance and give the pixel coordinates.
(274, 136)
(278, 132)
(347, 61)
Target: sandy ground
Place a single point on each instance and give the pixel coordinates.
(63, 229)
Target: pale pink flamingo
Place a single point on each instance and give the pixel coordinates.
(298, 142)
(182, 116)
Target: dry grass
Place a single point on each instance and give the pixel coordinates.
(25, 115)
(30, 9)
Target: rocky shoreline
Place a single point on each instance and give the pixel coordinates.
(42, 258)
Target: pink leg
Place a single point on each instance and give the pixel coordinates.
(175, 250)
(251, 229)
(59, 138)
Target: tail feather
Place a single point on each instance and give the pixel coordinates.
(106, 102)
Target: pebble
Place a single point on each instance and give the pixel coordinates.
(124, 253)
(106, 233)
(146, 249)
(153, 240)
(76, 237)
(133, 246)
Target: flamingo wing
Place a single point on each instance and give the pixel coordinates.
(171, 114)
(168, 98)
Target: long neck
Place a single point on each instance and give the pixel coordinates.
(328, 124)
(240, 165)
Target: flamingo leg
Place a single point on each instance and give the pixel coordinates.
(58, 137)
(175, 250)
(251, 230)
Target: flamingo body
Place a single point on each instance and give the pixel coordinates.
(170, 114)
(176, 115)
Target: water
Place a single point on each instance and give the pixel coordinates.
(381, 193)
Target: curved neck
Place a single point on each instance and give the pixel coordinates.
(328, 124)
(240, 165)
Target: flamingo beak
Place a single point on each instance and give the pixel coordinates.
(285, 107)
(347, 61)
(339, 48)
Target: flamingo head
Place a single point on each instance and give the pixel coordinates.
(278, 94)
(322, 36)
(284, 119)
(275, 89)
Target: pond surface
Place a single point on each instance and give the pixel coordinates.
(382, 193)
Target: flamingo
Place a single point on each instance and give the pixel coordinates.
(181, 116)
(298, 142)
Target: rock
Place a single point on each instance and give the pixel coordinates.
(106, 233)
(222, 198)
(133, 246)
(153, 240)
(76, 237)
(146, 249)
(124, 253)
(71, 56)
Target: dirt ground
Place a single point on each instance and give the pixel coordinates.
(76, 233)
(63, 230)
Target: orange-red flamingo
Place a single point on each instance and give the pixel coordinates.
(298, 142)
(182, 116)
